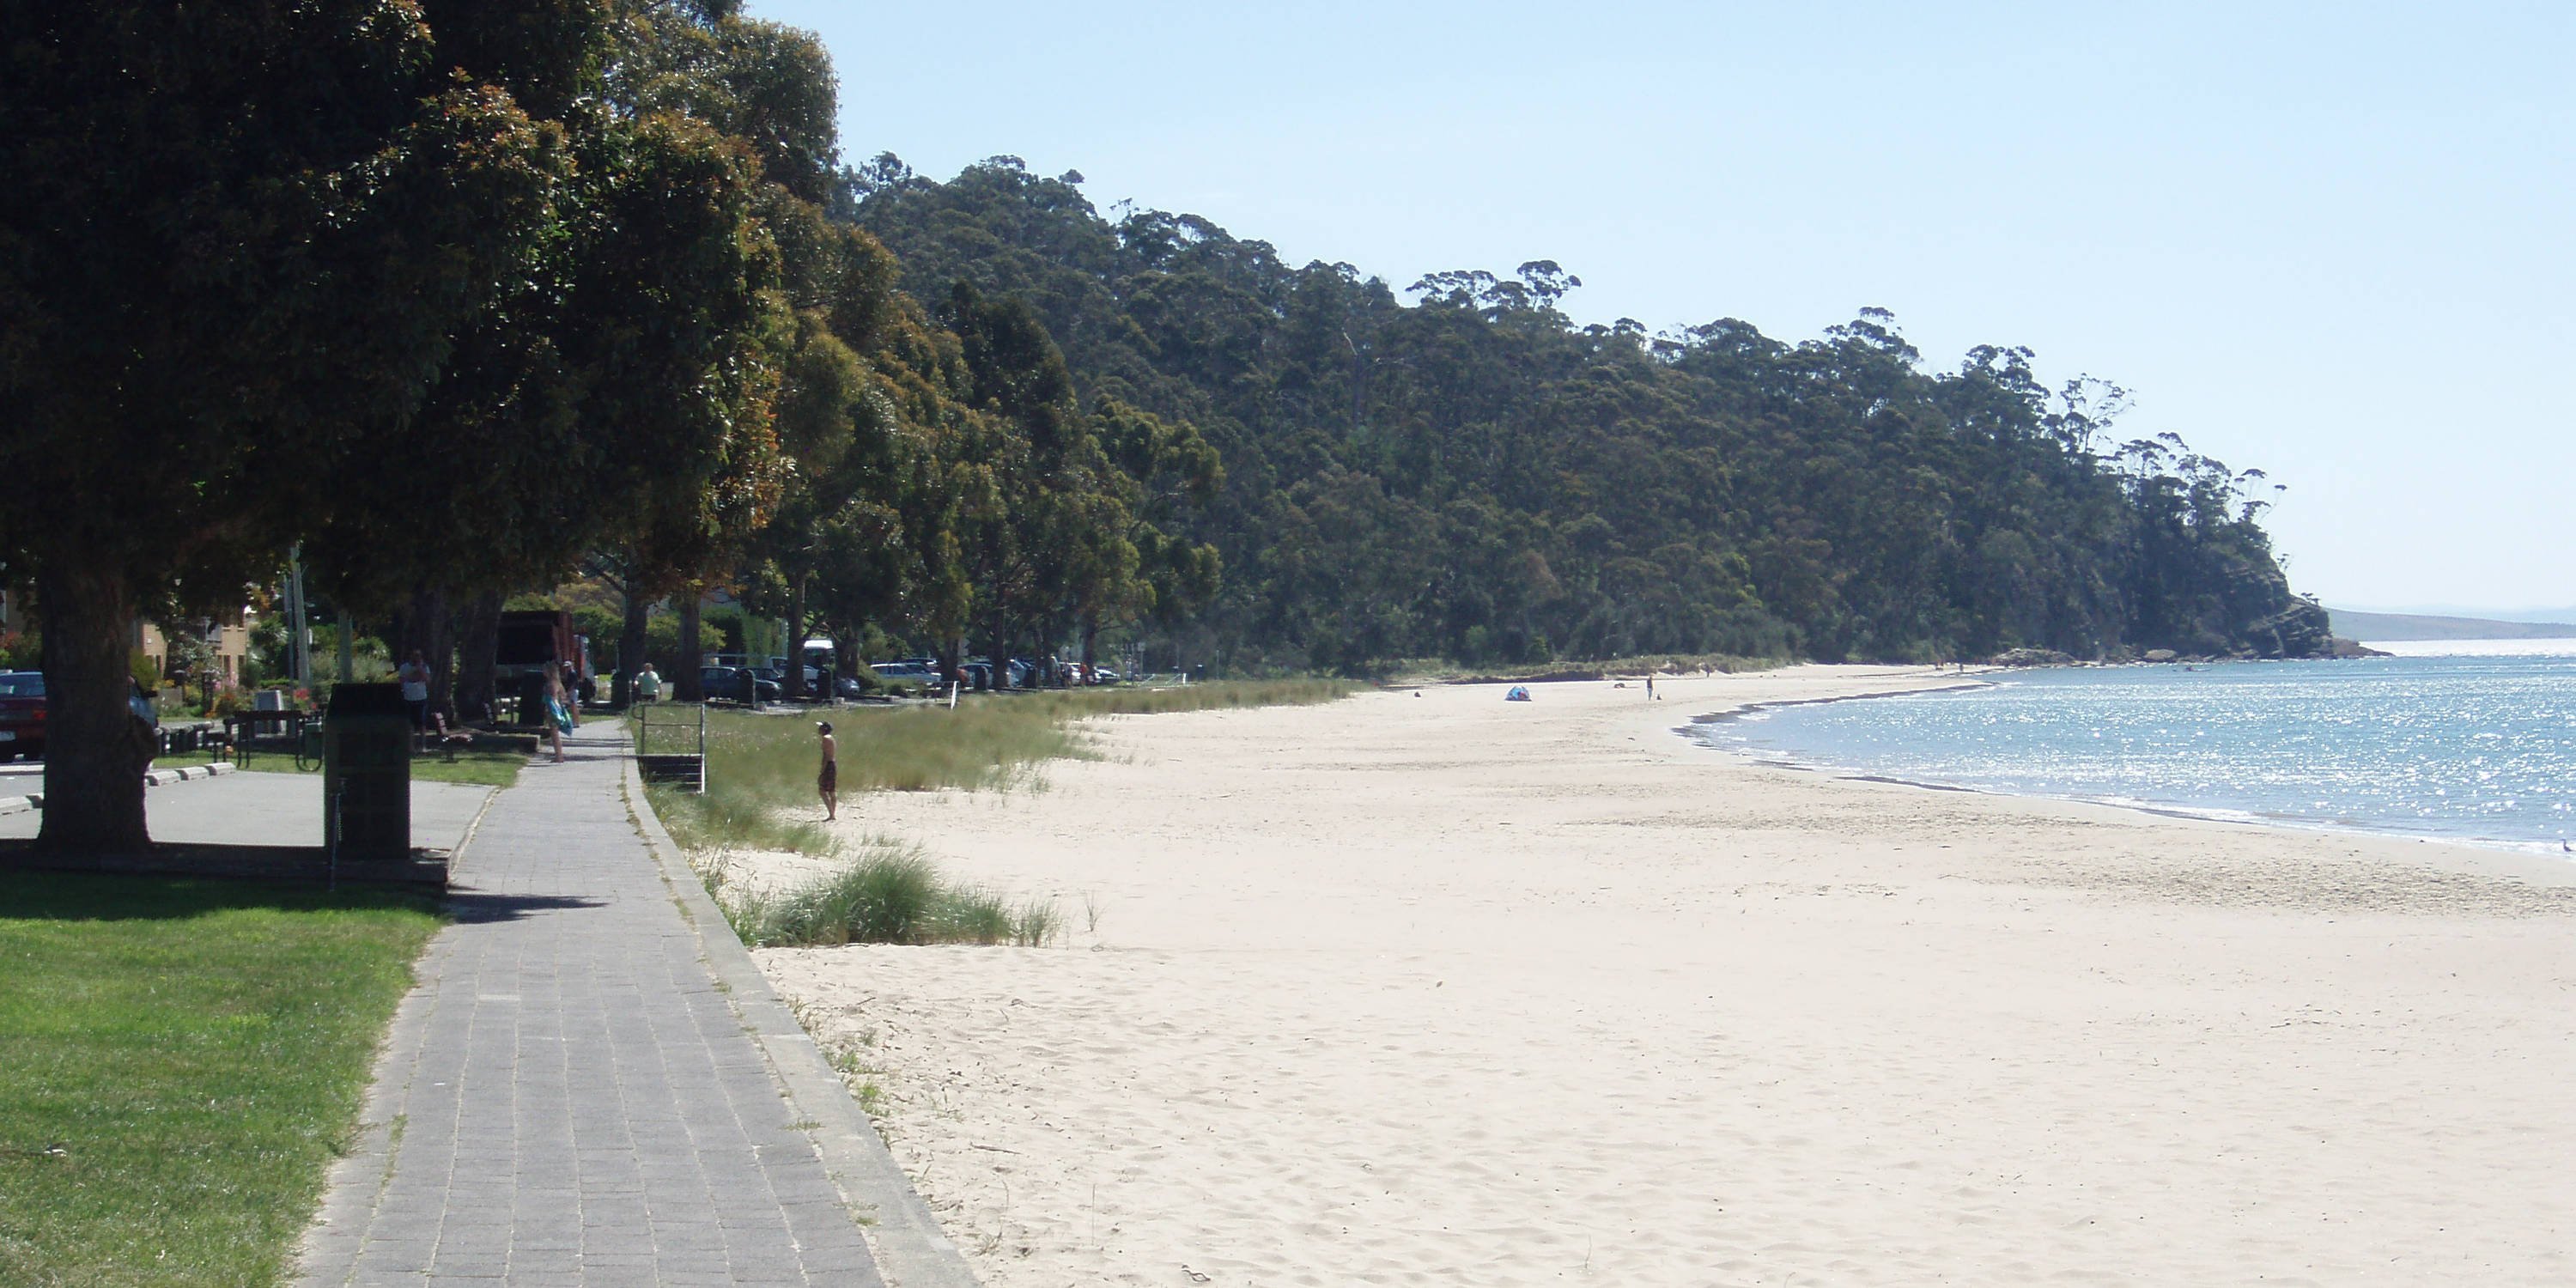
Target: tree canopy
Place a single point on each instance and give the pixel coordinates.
(1473, 475)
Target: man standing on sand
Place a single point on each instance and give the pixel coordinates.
(1650, 686)
(827, 780)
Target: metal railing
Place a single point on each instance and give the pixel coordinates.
(681, 758)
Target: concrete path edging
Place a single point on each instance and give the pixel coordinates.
(151, 778)
(184, 773)
(911, 1250)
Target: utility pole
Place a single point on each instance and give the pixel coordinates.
(299, 637)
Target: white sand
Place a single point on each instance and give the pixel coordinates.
(1441, 989)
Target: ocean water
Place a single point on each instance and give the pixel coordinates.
(2475, 743)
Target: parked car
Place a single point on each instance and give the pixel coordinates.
(735, 684)
(22, 713)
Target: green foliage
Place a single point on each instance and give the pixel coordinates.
(180, 1062)
(600, 625)
(473, 288)
(729, 635)
(246, 250)
(1476, 477)
(892, 895)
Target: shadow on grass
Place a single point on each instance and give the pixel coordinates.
(93, 896)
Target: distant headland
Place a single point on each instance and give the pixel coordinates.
(2408, 626)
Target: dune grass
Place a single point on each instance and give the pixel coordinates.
(760, 764)
(760, 794)
(179, 1063)
(891, 894)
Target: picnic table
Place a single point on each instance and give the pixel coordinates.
(241, 727)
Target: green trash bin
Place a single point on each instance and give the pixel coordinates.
(366, 774)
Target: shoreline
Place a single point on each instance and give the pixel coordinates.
(2554, 866)
(1441, 988)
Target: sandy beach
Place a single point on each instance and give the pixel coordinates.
(1434, 988)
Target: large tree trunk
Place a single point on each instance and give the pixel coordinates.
(95, 748)
(477, 642)
(793, 683)
(630, 640)
(421, 625)
(685, 685)
(442, 654)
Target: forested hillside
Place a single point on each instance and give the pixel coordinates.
(1472, 475)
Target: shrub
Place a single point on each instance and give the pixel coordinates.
(892, 895)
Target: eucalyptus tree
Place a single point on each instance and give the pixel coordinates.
(1478, 475)
(236, 240)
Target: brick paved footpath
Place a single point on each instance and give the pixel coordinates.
(570, 1096)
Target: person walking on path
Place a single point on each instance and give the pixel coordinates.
(558, 712)
(414, 676)
(827, 780)
(648, 686)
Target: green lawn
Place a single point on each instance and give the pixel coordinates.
(179, 1063)
(490, 768)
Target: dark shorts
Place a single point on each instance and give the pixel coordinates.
(419, 713)
(830, 779)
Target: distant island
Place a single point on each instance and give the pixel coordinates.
(2408, 626)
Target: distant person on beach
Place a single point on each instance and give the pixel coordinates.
(827, 780)
(1650, 686)
(415, 690)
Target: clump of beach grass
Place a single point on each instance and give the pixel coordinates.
(893, 894)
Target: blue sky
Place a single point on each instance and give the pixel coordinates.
(2329, 241)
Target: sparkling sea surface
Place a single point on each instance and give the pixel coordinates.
(2470, 741)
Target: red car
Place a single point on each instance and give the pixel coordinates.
(22, 714)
